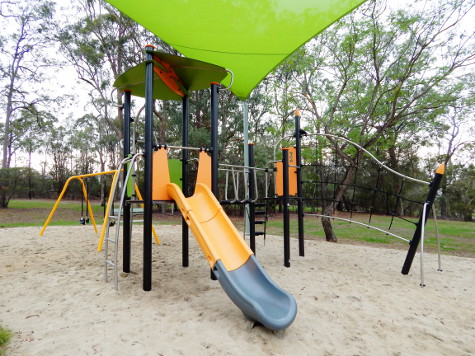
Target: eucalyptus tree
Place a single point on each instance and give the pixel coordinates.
(59, 151)
(24, 40)
(100, 45)
(382, 75)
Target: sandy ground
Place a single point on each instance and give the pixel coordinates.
(352, 300)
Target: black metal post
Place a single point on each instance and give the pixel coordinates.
(298, 154)
(148, 168)
(184, 180)
(126, 207)
(434, 186)
(214, 145)
(285, 198)
(252, 196)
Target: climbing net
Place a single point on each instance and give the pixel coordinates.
(339, 188)
(366, 185)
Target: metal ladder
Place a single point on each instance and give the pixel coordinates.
(262, 221)
(111, 258)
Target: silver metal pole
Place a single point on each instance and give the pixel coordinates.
(438, 238)
(423, 227)
(245, 118)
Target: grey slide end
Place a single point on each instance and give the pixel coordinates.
(258, 296)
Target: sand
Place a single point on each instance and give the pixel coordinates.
(352, 300)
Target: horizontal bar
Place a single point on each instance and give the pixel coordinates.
(185, 148)
(244, 167)
(372, 156)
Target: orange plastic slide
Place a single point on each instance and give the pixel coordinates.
(215, 233)
(233, 263)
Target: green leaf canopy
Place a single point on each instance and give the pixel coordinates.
(248, 37)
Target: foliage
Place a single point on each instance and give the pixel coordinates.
(5, 336)
(16, 182)
(393, 79)
(24, 63)
(460, 191)
(382, 78)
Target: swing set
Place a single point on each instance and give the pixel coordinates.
(89, 213)
(80, 178)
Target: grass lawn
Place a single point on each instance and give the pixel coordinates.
(457, 238)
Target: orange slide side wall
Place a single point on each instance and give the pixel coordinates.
(214, 231)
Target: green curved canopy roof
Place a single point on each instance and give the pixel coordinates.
(248, 37)
(193, 74)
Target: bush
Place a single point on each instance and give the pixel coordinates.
(5, 336)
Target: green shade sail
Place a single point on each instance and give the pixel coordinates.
(193, 74)
(248, 37)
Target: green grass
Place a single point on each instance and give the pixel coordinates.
(22, 213)
(5, 336)
(456, 237)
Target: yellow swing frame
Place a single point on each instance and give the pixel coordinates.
(109, 202)
(84, 191)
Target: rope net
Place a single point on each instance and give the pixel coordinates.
(359, 189)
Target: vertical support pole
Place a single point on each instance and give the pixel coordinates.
(245, 130)
(214, 138)
(252, 196)
(126, 208)
(184, 180)
(148, 167)
(434, 186)
(214, 145)
(285, 198)
(298, 154)
(434, 213)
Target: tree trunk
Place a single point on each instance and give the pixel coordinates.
(330, 208)
(4, 182)
(30, 181)
(328, 229)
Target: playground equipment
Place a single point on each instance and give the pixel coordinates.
(250, 38)
(232, 262)
(85, 212)
(256, 213)
(286, 188)
(84, 191)
(214, 39)
(107, 217)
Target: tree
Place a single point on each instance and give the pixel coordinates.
(59, 150)
(381, 74)
(22, 65)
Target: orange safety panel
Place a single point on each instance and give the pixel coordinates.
(292, 171)
(204, 169)
(160, 175)
(279, 177)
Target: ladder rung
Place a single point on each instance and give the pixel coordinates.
(260, 204)
(260, 212)
(259, 222)
(110, 263)
(135, 201)
(259, 233)
(110, 240)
